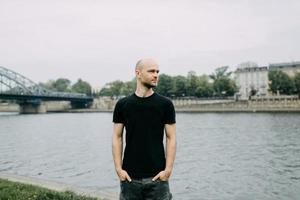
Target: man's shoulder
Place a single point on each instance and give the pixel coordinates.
(123, 100)
(163, 98)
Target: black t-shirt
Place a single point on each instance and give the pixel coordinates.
(144, 120)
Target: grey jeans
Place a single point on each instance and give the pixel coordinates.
(145, 189)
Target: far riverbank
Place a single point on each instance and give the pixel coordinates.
(187, 105)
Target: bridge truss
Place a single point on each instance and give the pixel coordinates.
(13, 83)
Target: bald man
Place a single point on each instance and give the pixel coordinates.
(147, 116)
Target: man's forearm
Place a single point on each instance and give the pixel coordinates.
(117, 149)
(170, 153)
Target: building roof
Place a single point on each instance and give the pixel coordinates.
(283, 65)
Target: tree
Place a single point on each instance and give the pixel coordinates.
(128, 87)
(220, 73)
(165, 85)
(297, 83)
(232, 88)
(82, 87)
(280, 82)
(205, 88)
(59, 85)
(62, 85)
(116, 87)
(223, 85)
(105, 91)
(180, 86)
(49, 85)
(192, 83)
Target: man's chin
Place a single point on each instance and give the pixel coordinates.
(150, 85)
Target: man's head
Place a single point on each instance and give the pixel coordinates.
(146, 71)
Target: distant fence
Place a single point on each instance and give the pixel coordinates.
(275, 98)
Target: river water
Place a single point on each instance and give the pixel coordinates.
(219, 156)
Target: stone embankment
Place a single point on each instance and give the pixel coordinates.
(58, 106)
(241, 106)
(197, 105)
(9, 107)
(106, 104)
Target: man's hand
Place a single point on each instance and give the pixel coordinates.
(123, 175)
(163, 176)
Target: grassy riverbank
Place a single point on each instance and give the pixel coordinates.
(18, 191)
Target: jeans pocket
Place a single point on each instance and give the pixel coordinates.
(123, 182)
(162, 180)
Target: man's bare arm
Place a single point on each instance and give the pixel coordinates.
(170, 130)
(170, 146)
(117, 150)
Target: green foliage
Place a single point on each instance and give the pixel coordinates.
(128, 87)
(180, 86)
(106, 92)
(165, 85)
(223, 85)
(16, 191)
(219, 73)
(48, 85)
(204, 88)
(59, 85)
(281, 82)
(297, 83)
(62, 85)
(118, 88)
(192, 83)
(82, 87)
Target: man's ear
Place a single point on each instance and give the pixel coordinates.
(137, 72)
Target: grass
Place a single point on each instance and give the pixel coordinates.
(18, 191)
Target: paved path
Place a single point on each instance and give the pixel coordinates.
(107, 194)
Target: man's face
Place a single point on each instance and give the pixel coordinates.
(148, 75)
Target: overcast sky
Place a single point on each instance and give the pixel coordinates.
(100, 41)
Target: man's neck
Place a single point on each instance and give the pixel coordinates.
(144, 92)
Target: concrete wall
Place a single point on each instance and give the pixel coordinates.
(55, 106)
(9, 107)
(244, 106)
(104, 104)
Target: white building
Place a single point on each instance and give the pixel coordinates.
(252, 81)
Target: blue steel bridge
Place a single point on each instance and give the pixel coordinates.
(30, 96)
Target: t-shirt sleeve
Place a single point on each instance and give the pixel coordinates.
(118, 116)
(169, 116)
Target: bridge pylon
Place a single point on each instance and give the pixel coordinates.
(33, 108)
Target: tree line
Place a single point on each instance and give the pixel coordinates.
(218, 84)
(65, 85)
